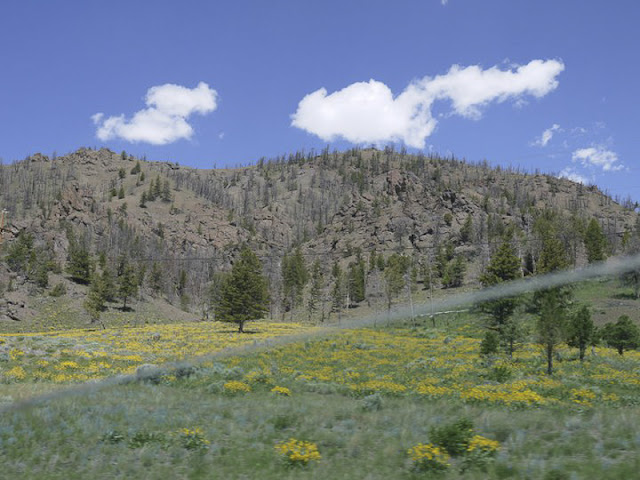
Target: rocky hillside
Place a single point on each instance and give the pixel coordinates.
(187, 223)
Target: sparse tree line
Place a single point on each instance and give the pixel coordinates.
(557, 318)
(343, 186)
(321, 288)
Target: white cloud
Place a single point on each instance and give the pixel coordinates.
(165, 118)
(367, 112)
(546, 136)
(571, 174)
(597, 156)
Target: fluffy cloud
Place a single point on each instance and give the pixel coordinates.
(367, 112)
(574, 176)
(597, 156)
(546, 136)
(165, 118)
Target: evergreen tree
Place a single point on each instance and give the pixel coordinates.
(394, 277)
(127, 284)
(356, 281)
(79, 265)
(466, 231)
(151, 196)
(294, 278)
(20, 253)
(157, 188)
(166, 191)
(551, 304)
(182, 283)
(156, 278)
(454, 272)
(244, 295)
(337, 293)
(580, 331)
(214, 291)
(317, 285)
(622, 335)
(94, 303)
(632, 277)
(107, 285)
(503, 267)
(595, 242)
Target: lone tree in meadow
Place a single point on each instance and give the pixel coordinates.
(622, 335)
(243, 295)
(581, 331)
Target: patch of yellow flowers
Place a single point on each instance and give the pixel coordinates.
(284, 391)
(482, 444)
(425, 457)
(234, 386)
(298, 452)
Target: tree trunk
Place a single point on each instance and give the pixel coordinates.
(549, 359)
(582, 350)
(240, 327)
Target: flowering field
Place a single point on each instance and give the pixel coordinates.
(365, 362)
(80, 355)
(392, 402)
(398, 362)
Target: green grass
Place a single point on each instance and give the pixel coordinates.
(133, 431)
(66, 439)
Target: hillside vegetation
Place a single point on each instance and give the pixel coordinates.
(171, 231)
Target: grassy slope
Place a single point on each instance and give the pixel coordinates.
(63, 440)
(561, 439)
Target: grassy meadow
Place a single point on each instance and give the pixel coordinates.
(370, 403)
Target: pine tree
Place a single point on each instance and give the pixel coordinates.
(156, 278)
(127, 283)
(551, 304)
(337, 293)
(294, 278)
(107, 285)
(151, 196)
(317, 285)
(632, 277)
(79, 265)
(244, 295)
(454, 272)
(503, 267)
(94, 303)
(595, 242)
(622, 335)
(157, 188)
(580, 331)
(466, 231)
(394, 273)
(166, 191)
(356, 281)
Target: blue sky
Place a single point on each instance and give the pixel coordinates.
(540, 84)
